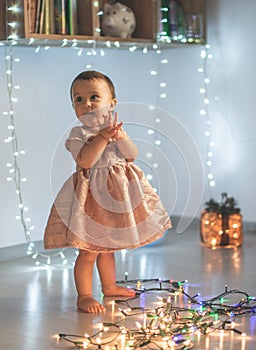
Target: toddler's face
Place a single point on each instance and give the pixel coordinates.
(92, 95)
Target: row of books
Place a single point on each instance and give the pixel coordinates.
(52, 16)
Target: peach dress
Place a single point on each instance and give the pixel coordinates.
(108, 207)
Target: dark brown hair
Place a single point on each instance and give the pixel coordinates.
(90, 75)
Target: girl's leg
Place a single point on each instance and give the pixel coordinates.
(83, 273)
(107, 271)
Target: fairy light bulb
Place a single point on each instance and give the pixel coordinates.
(13, 24)
(132, 48)
(62, 255)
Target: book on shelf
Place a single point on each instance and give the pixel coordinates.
(72, 17)
(55, 17)
(31, 11)
(39, 16)
(49, 24)
(60, 17)
(44, 23)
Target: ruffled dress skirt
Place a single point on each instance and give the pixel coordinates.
(109, 207)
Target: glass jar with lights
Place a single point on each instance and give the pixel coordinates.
(221, 224)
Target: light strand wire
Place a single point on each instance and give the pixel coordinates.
(15, 171)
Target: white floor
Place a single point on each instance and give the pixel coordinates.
(38, 302)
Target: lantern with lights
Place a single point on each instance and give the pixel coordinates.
(221, 224)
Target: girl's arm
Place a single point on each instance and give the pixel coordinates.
(126, 146)
(90, 152)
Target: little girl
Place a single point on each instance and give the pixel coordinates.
(107, 204)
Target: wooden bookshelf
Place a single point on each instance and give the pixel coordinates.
(87, 24)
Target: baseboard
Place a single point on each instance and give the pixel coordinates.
(19, 251)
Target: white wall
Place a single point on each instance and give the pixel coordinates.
(231, 28)
(43, 116)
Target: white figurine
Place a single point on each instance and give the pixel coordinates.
(118, 20)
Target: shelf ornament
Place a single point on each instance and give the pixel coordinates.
(221, 223)
(118, 21)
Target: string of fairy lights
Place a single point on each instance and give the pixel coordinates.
(177, 320)
(14, 170)
(206, 56)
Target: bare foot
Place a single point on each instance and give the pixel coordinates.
(87, 304)
(117, 291)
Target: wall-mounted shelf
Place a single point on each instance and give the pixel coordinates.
(17, 26)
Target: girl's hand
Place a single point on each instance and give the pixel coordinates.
(112, 128)
(120, 133)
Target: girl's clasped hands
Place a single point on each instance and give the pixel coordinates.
(113, 131)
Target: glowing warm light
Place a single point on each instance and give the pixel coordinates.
(216, 232)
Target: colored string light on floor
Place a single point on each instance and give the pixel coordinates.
(177, 321)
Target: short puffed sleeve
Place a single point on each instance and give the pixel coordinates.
(77, 138)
